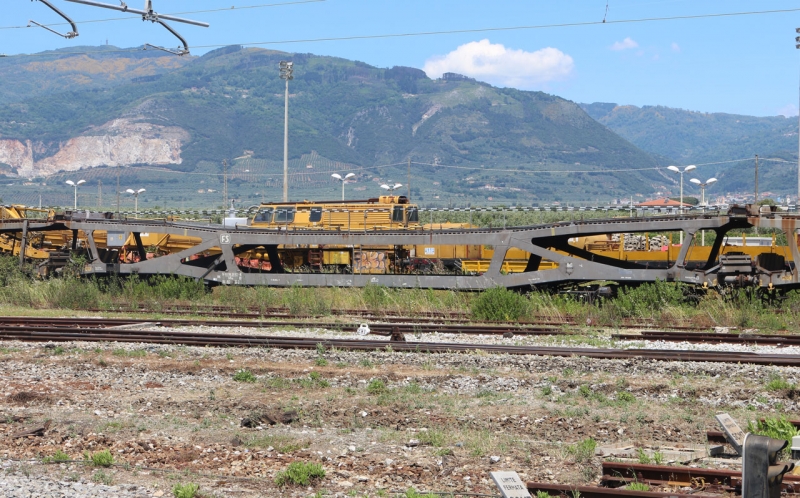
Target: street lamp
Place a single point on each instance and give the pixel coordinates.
(681, 172)
(703, 187)
(287, 68)
(75, 186)
(135, 194)
(392, 188)
(703, 201)
(343, 180)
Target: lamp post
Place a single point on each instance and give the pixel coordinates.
(391, 188)
(681, 172)
(343, 180)
(74, 185)
(797, 204)
(703, 186)
(135, 194)
(287, 68)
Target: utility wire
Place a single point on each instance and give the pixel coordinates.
(226, 9)
(476, 30)
(655, 168)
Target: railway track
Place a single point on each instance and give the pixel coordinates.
(62, 334)
(725, 338)
(663, 481)
(387, 316)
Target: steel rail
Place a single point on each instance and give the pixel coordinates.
(620, 474)
(597, 492)
(231, 340)
(727, 338)
(11, 323)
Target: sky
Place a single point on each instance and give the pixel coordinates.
(745, 64)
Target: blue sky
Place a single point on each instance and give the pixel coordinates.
(745, 64)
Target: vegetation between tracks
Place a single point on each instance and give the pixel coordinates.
(659, 302)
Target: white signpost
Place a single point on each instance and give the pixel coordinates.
(510, 485)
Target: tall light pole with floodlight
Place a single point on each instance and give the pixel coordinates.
(74, 185)
(287, 68)
(681, 172)
(797, 204)
(135, 194)
(343, 180)
(391, 188)
(703, 186)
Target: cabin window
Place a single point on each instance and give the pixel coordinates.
(397, 214)
(284, 215)
(413, 215)
(315, 215)
(264, 216)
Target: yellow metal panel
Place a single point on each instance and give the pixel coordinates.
(336, 257)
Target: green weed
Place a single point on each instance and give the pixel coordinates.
(300, 474)
(244, 376)
(188, 490)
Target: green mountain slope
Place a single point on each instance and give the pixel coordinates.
(687, 137)
(346, 114)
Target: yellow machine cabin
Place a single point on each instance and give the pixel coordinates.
(387, 212)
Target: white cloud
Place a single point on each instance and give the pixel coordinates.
(496, 64)
(789, 110)
(624, 44)
(676, 47)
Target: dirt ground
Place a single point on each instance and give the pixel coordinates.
(379, 423)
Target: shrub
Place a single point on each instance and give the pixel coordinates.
(777, 428)
(625, 397)
(648, 299)
(500, 304)
(185, 490)
(102, 458)
(244, 376)
(376, 386)
(299, 473)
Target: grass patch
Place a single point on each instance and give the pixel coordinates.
(102, 458)
(376, 386)
(188, 490)
(101, 477)
(125, 353)
(500, 304)
(57, 457)
(299, 474)
(583, 451)
(778, 383)
(638, 486)
(280, 443)
(244, 376)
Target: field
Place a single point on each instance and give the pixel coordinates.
(160, 419)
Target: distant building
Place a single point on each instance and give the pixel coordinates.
(662, 202)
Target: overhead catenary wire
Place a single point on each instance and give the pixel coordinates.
(465, 31)
(232, 8)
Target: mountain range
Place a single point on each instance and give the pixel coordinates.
(179, 125)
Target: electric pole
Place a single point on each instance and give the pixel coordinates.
(225, 184)
(756, 198)
(287, 68)
(409, 178)
(99, 195)
(118, 191)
